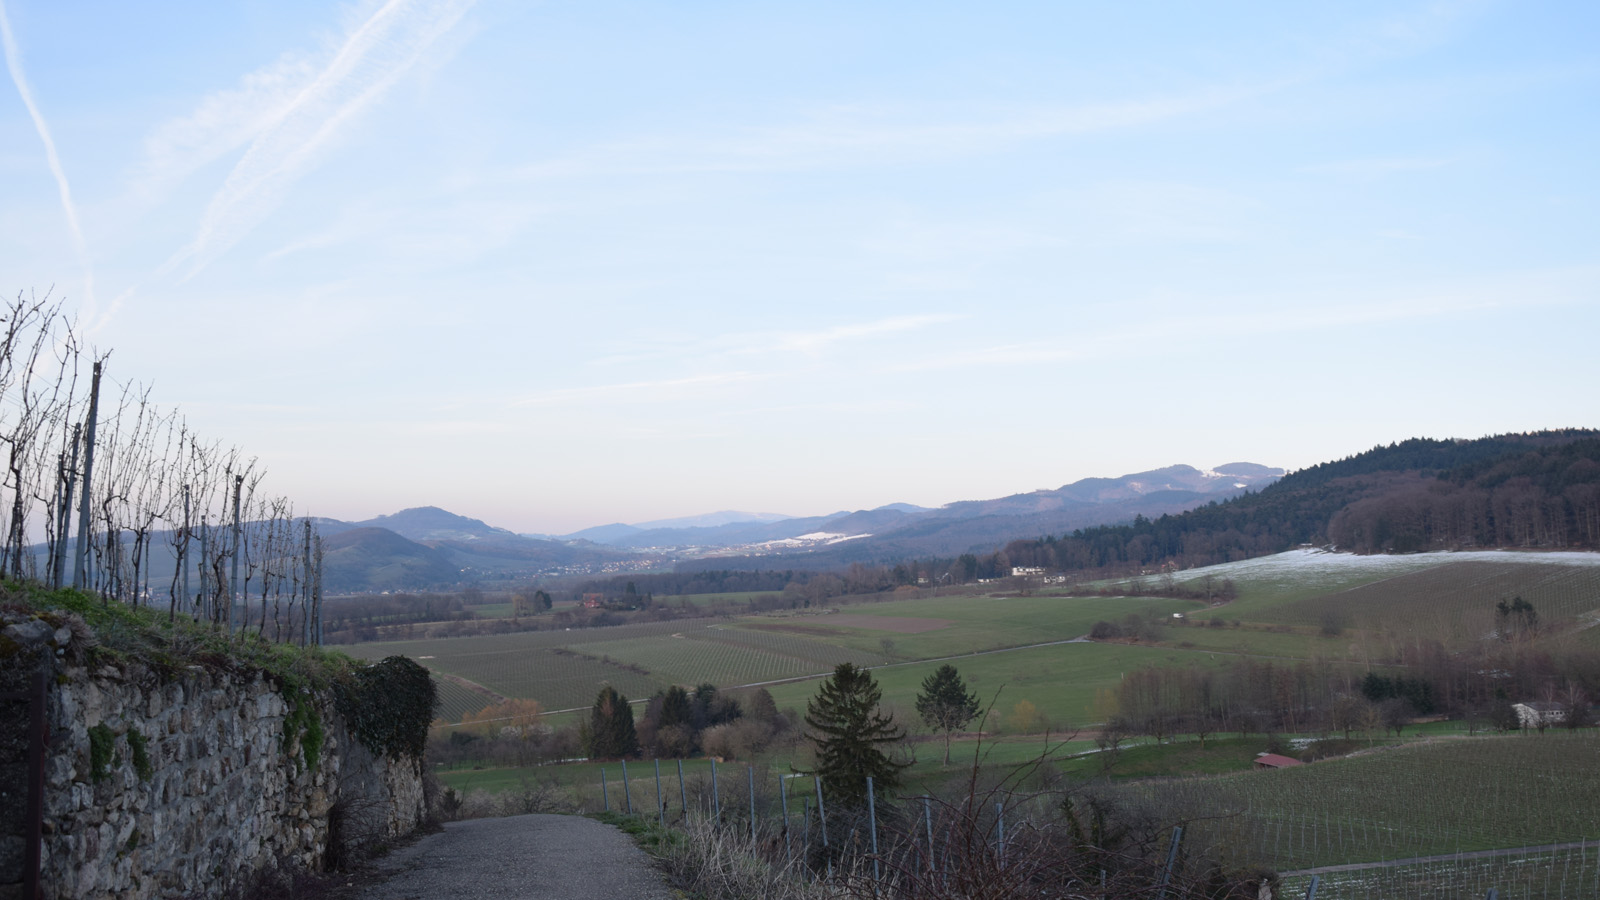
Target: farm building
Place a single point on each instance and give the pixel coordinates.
(1275, 761)
(1539, 714)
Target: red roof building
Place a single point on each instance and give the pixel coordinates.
(1275, 761)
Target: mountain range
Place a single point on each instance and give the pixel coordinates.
(429, 547)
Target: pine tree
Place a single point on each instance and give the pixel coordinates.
(676, 708)
(845, 726)
(945, 704)
(611, 733)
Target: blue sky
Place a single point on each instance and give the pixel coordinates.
(554, 265)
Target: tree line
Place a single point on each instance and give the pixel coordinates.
(1263, 696)
(1536, 490)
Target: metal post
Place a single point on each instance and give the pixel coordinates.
(1311, 889)
(927, 815)
(683, 796)
(752, 771)
(716, 799)
(1494, 894)
(627, 796)
(1172, 860)
(660, 806)
(872, 823)
(1000, 833)
(80, 571)
(605, 796)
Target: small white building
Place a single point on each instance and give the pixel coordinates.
(1019, 571)
(1539, 714)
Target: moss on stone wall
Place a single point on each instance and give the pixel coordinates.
(102, 750)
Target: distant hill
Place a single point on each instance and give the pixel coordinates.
(901, 529)
(377, 559)
(430, 523)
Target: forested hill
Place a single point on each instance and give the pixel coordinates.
(1537, 490)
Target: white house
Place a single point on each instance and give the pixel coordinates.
(1539, 714)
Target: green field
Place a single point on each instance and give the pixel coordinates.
(1061, 681)
(969, 623)
(564, 669)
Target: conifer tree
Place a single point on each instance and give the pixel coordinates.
(611, 733)
(848, 731)
(945, 704)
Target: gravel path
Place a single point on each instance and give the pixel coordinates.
(520, 858)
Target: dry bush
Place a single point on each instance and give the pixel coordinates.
(719, 863)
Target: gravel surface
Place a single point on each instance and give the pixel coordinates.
(520, 858)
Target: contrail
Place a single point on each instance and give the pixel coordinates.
(372, 58)
(14, 64)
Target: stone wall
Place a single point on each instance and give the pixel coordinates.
(181, 783)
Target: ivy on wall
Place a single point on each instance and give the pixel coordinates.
(388, 706)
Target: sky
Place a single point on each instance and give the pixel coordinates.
(554, 265)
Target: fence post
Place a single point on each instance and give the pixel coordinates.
(927, 815)
(683, 796)
(1311, 889)
(80, 570)
(752, 771)
(872, 823)
(661, 806)
(605, 796)
(1494, 894)
(627, 796)
(1172, 859)
(1000, 833)
(716, 798)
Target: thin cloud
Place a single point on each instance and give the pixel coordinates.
(818, 341)
(295, 131)
(20, 79)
